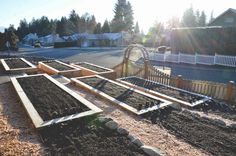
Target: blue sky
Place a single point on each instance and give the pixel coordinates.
(145, 12)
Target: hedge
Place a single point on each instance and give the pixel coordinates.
(65, 44)
(206, 40)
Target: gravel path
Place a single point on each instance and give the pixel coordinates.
(150, 134)
(17, 134)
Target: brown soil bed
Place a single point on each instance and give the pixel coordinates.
(163, 89)
(87, 138)
(58, 66)
(16, 63)
(122, 94)
(93, 68)
(205, 133)
(49, 100)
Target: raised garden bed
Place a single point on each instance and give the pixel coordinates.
(48, 102)
(58, 67)
(17, 65)
(131, 99)
(167, 92)
(92, 69)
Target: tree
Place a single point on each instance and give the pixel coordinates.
(74, 19)
(136, 28)
(202, 19)
(123, 19)
(154, 35)
(98, 29)
(173, 22)
(197, 16)
(23, 29)
(189, 18)
(106, 27)
(212, 17)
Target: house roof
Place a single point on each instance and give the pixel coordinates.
(229, 10)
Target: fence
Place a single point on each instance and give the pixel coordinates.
(219, 91)
(216, 59)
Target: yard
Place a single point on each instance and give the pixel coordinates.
(208, 129)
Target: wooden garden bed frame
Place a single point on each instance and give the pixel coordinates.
(95, 91)
(31, 68)
(110, 73)
(74, 72)
(34, 115)
(164, 96)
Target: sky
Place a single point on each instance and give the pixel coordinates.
(146, 12)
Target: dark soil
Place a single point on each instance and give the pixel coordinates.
(93, 68)
(16, 63)
(200, 132)
(80, 138)
(163, 89)
(122, 94)
(49, 100)
(215, 107)
(58, 66)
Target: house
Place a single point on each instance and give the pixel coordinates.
(49, 40)
(226, 19)
(96, 40)
(30, 39)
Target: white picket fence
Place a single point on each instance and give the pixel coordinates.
(216, 59)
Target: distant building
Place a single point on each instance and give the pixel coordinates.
(49, 40)
(30, 39)
(98, 40)
(226, 19)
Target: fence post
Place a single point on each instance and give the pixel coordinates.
(229, 93)
(179, 81)
(195, 58)
(215, 59)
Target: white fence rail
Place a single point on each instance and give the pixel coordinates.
(216, 59)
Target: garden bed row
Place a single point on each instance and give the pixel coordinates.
(131, 99)
(168, 92)
(214, 136)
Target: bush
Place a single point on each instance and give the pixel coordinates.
(65, 44)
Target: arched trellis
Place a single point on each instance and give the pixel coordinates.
(127, 53)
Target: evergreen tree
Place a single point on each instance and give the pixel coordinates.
(123, 19)
(106, 27)
(212, 17)
(98, 29)
(189, 18)
(74, 19)
(202, 19)
(23, 29)
(136, 28)
(197, 15)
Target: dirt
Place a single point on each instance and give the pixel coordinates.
(58, 66)
(82, 137)
(163, 89)
(201, 132)
(218, 108)
(93, 68)
(49, 100)
(140, 127)
(16, 63)
(128, 96)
